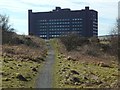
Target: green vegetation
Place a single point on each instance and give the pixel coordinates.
(22, 61)
(22, 57)
(19, 74)
(86, 72)
(80, 62)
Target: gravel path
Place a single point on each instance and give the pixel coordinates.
(45, 78)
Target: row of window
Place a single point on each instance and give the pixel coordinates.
(76, 28)
(76, 25)
(63, 32)
(74, 19)
(58, 35)
(76, 22)
(43, 35)
(43, 32)
(60, 26)
(43, 26)
(60, 23)
(62, 29)
(50, 23)
(63, 26)
(59, 20)
(55, 35)
(56, 26)
(54, 20)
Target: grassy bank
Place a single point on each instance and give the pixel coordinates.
(85, 72)
(19, 74)
(21, 60)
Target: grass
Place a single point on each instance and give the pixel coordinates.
(11, 68)
(82, 74)
(21, 61)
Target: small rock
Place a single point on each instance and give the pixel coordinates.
(76, 83)
(59, 57)
(5, 61)
(6, 79)
(37, 66)
(75, 79)
(85, 78)
(63, 70)
(34, 69)
(3, 73)
(19, 65)
(69, 58)
(101, 64)
(41, 58)
(12, 77)
(21, 77)
(74, 72)
(67, 76)
(11, 67)
(63, 56)
(69, 65)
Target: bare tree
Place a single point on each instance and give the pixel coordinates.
(7, 32)
(4, 23)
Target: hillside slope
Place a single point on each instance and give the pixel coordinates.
(22, 56)
(76, 70)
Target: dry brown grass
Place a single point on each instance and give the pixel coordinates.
(88, 53)
(25, 48)
(22, 57)
(23, 52)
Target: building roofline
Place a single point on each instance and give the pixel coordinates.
(57, 9)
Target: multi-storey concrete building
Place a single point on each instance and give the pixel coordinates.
(61, 22)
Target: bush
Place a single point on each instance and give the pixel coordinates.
(7, 37)
(72, 41)
(92, 50)
(114, 45)
(105, 47)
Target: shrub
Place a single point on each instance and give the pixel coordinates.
(72, 41)
(105, 47)
(7, 37)
(114, 45)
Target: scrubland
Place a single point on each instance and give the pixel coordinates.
(87, 66)
(22, 57)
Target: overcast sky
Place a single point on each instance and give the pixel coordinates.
(17, 10)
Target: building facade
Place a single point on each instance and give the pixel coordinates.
(61, 22)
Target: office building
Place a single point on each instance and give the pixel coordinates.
(62, 22)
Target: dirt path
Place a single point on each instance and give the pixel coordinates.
(45, 78)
